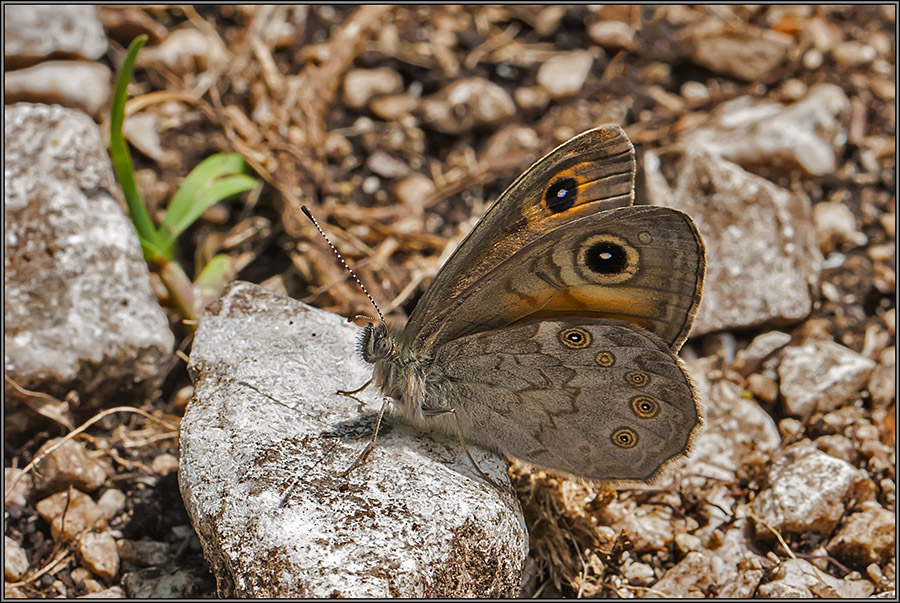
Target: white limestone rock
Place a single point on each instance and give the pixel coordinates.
(260, 470)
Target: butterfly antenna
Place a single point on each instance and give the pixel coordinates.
(309, 215)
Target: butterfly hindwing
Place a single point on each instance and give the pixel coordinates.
(595, 398)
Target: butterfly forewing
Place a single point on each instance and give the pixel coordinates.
(589, 173)
(642, 265)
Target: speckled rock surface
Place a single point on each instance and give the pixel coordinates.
(260, 469)
(80, 312)
(762, 260)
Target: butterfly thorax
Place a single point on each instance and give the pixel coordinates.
(398, 370)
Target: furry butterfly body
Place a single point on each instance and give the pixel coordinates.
(551, 333)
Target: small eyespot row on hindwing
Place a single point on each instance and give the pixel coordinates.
(624, 437)
(561, 195)
(605, 358)
(575, 338)
(645, 237)
(608, 259)
(637, 378)
(645, 407)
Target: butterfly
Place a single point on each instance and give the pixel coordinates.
(551, 333)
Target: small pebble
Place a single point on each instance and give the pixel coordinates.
(111, 502)
(362, 85)
(531, 97)
(164, 463)
(612, 35)
(370, 185)
(564, 75)
(793, 89)
(813, 59)
(694, 92)
(386, 165)
(392, 107)
(81, 514)
(15, 562)
(18, 495)
(762, 387)
(98, 553)
(852, 54)
(69, 464)
(414, 190)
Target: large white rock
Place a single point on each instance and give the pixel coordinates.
(260, 470)
(80, 313)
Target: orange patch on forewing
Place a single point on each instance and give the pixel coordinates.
(588, 300)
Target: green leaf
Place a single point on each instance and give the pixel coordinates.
(121, 157)
(212, 280)
(215, 178)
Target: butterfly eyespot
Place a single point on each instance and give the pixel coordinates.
(645, 407)
(644, 237)
(624, 438)
(561, 195)
(607, 259)
(605, 359)
(575, 338)
(637, 378)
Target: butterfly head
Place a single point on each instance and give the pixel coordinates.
(376, 343)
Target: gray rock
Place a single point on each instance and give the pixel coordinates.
(80, 312)
(735, 427)
(465, 105)
(807, 492)
(821, 375)
(798, 578)
(81, 513)
(564, 75)
(68, 464)
(866, 537)
(731, 568)
(81, 85)
(263, 443)
(362, 85)
(761, 254)
(171, 581)
(760, 348)
(34, 32)
(746, 52)
(749, 131)
(15, 562)
(97, 550)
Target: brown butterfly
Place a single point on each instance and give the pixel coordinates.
(551, 333)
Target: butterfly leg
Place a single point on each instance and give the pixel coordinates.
(433, 412)
(368, 449)
(357, 390)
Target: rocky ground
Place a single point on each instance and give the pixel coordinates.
(772, 126)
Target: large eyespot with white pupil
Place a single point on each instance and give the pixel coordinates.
(607, 259)
(575, 338)
(561, 195)
(624, 438)
(637, 378)
(645, 407)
